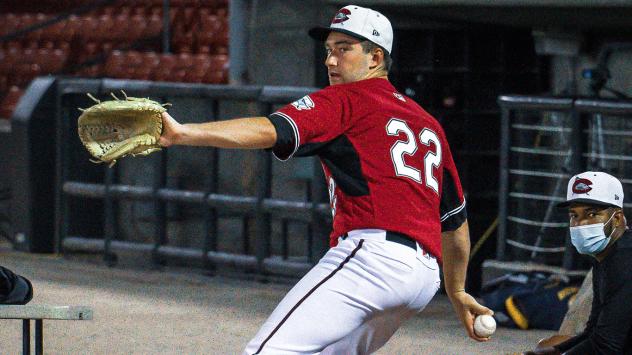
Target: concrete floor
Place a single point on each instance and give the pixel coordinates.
(180, 311)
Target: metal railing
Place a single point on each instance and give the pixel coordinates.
(107, 191)
(545, 141)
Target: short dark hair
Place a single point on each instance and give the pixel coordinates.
(368, 46)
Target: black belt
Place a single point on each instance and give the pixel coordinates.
(398, 238)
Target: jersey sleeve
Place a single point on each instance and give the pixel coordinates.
(316, 118)
(452, 206)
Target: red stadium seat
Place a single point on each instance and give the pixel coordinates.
(198, 26)
(114, 64)
(139, 11)
(52, 61)
(154, 26)
(4, 84)
(90, 50)
(219, 62)
(137, 27)
(108, 10)
(13, 44)
(151, 60)
(31, 44)
(124, 10)
(73, 25)
(107, 47)
(47, 44)
(9, 23)
(23, 73)
(210, 27)
(202, 61)
(92, 71)
(105, 28)
(10, 101)
(166, 65)
(215, 77)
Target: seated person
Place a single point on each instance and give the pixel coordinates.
(598, 229)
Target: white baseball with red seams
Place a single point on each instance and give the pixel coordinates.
(484, 325)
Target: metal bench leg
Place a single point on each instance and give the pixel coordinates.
(26, 337)
(39, 337)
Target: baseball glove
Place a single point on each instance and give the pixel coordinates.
(113, 129)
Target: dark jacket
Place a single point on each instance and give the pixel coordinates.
(609, 327)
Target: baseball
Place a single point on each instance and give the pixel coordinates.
(484, 325)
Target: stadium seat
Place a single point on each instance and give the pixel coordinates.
(105, 28)
(12, 44)
(91, 71)
(90, 50)
(51, 62)
(154, 26)
(214, 77)
(151, 59)
(9, 24)
(210, 27)
(73, 25)
(10, 101)
(165, 67)
(4, 84)
(114, 64)
(219, 62)
(137, 25)
(198, 26)
(117, 27)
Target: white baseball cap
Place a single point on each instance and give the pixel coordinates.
(359, 22)
(594, 188)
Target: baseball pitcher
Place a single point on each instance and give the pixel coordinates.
(396, 199)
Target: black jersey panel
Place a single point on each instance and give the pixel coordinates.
(343, 162)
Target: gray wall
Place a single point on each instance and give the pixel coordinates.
(279, 51)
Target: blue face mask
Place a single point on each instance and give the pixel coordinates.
(591, 239)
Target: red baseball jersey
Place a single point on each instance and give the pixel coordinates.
(387, 161)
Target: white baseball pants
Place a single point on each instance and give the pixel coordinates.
(353, 300)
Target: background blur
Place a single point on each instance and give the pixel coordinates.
(529, 93)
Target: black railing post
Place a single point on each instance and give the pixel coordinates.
(503, 188)
(262, 218)
(26, 336)
(264, 189)
(578, 164)
(210, 213)
(160, 210)
(110, 219)
(61, 201)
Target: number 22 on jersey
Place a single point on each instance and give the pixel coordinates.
(395, 127)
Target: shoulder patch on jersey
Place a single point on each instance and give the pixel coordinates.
(399, 96)
(304, 103)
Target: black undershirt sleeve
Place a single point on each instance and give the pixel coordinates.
(452, 209)
(286, 142)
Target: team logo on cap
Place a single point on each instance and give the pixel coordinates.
(582, 186)
(341, 16)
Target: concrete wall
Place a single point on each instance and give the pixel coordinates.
(280, 51)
